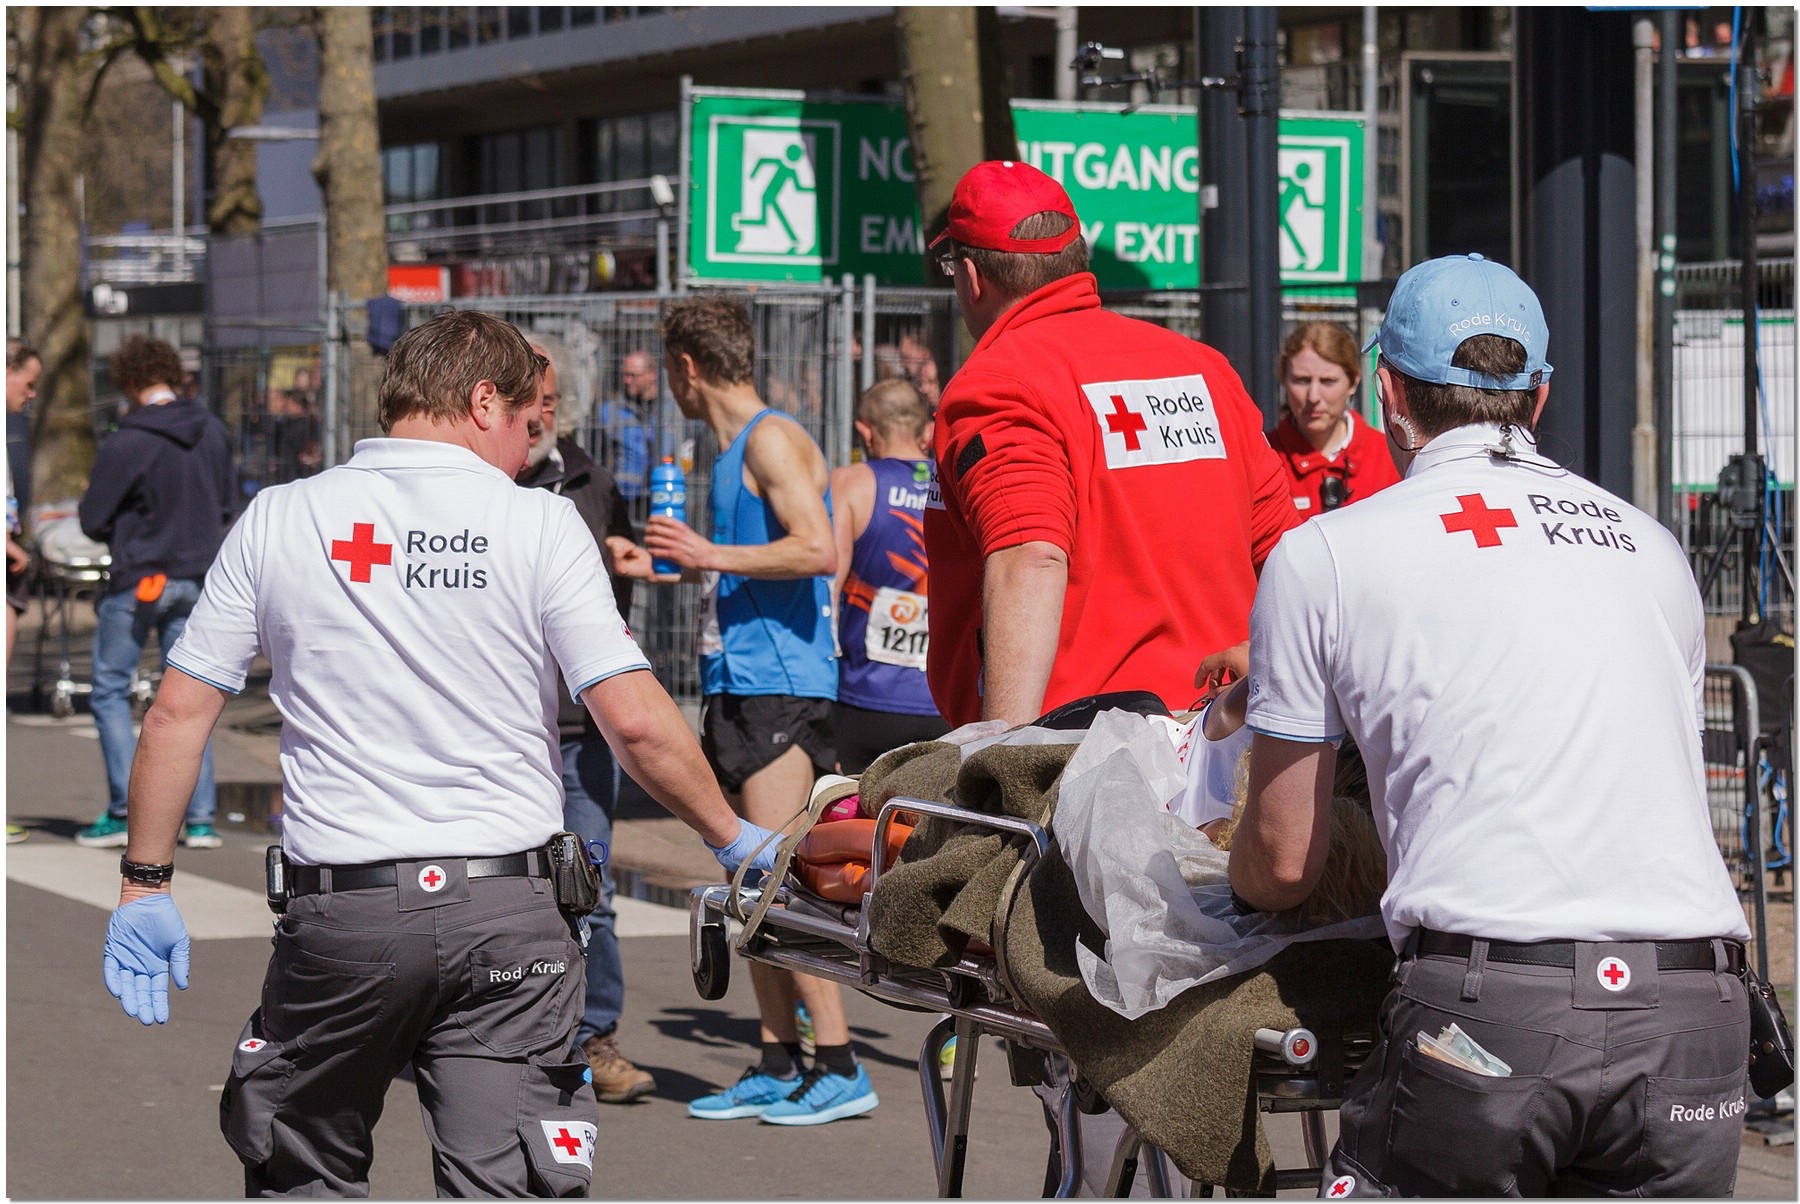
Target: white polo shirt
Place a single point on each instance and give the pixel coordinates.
(1519, 656)
(417, 608)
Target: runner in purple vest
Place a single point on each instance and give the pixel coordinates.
(879, 521)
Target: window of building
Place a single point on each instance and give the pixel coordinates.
(379, 20)
(520, 161)
(431, 30)
(461, 27)
(412, 173)
(583, 16)
(405, 25)
(550, 19)
(487, 24)
(518, 22)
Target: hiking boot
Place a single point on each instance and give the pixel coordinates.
(107, 832)
(753, 1094)
(823, 1097)
(201, 836)
(616, 1080)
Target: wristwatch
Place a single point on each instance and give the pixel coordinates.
(145, 875)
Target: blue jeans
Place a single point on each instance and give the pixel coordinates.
(124, 629)
(590, 793)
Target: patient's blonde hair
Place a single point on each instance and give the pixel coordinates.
(1355, 872)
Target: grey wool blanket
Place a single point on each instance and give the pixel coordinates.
(1180, 1075)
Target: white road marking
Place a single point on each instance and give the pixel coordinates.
(212, 910)
(215, 911)
(634, 917)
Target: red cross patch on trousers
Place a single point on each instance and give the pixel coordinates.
(432, 879)
(361, 552)
(570, 1141)
(1475, 518)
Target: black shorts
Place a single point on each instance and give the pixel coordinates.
(863, 735)
(17, 594)
(744, 733)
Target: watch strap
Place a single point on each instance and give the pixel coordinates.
(145, 875)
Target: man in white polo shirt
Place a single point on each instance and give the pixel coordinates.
(420, 613)
(1518, 655)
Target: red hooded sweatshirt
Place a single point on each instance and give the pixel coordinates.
(1137, 452)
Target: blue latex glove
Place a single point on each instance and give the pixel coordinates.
(740, 850)
(146, 944)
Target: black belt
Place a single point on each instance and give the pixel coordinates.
(308, 879)
(1670, 955)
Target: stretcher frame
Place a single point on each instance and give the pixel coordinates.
(61, 584)
(1293, 1070)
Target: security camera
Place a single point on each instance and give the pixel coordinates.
(661, 191)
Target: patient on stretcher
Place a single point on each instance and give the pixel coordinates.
(1214, 747)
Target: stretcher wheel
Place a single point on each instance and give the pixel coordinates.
(712, 965)
(62, 703)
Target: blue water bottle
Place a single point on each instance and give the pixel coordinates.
(668, 497)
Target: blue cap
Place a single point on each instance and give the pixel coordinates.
(1441, 302)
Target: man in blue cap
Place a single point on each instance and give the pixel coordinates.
(1569, 1015)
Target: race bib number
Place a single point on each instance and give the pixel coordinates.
(707, 640)
(934, 496)
(896, 633)
(1156, 421)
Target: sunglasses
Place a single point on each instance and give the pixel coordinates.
(947, 263)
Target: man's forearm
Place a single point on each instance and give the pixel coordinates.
(166, 767)
(1022, 593)
(648, 734)
(1278, 851)
(784, 559)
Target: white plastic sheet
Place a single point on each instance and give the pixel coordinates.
(1157, 887)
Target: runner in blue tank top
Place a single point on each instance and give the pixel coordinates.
(879, 521)
(768, 667)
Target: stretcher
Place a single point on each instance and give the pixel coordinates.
(1294, 1071)
(63, 580)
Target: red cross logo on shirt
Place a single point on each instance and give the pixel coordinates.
(571, 1144)
(432, 878)
(1125, 421)
(252, 1044)
(1478, 520)
(1614, 974)
(361, 551)
(1340, 1187)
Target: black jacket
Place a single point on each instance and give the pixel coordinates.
(597, 499)
(161, 493)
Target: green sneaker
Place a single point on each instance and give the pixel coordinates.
(201, 836)
(107, 832)
(15, 834)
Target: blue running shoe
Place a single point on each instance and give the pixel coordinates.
(752, 1095)
(823, 1097)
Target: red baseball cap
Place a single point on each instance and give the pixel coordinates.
(995, 196)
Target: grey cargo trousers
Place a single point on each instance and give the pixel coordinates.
(1633, 1089)
(477, 983)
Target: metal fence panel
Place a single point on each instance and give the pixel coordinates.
(1707, 424)
(1734, 790)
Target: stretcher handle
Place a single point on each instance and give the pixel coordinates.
(1295, 1046)
(1001, 823)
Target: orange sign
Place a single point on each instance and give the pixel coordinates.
(418, 283)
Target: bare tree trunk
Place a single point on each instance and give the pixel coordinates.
(348, 169)
(956, 100)
(52, 84)
(348, 166)
(235, 76)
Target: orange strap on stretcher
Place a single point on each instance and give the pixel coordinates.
(833, 859)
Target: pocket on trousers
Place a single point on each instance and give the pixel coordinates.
(254, 1090)
(321, 1004)
(519, 995)
(1693, 1129)
(1457, 1133)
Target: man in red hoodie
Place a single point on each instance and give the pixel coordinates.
(1106, 496)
